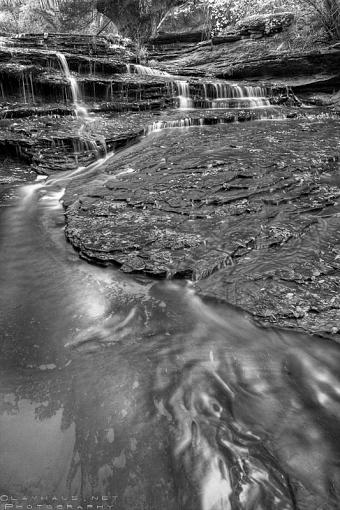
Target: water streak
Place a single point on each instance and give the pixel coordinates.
(80, 109)
(183, 93)
(81, 171)
(145, 70)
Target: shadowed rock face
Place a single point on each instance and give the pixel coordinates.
(186, 18)
(65, 143)
(187, 23)
(265, 24)
(252, 59)
(33, 81)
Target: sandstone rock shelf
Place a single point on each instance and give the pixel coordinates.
(211, 214)
(62, 144)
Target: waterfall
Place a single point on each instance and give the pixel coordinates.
(27, 88)
(109, 93)
(144, 70)
(80, 110)
(218, 95)
(2, 90)
(179, 123)
(183, 94)
(210, 121)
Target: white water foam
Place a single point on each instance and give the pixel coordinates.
(81, 171)
(218, 95)
(80, 110)
(145, 70)
(54, 199)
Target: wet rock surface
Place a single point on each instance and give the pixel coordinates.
(236, 207)
(32, 78)
(61, 144)
(249, 211)
(248, 58)
(13, 173)
(265, 59)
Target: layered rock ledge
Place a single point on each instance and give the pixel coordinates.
(33, 80)
(265, 59)
(62, 144)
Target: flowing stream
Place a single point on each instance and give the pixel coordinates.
(141, 391)
(80, 109)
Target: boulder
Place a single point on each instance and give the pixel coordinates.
(130, 19)
(189, 23)
(186, 23)
(265, 24)
(226, 38)
(185, 18)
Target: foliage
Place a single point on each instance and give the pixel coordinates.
(49, 15)
(226, 13)
(139, 19)
(329, 15)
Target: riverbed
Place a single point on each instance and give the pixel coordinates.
(167, 394)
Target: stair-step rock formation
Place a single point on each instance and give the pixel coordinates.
(32, 75)
(189, 24)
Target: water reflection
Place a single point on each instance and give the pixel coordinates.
(220, 415)
(34, 456)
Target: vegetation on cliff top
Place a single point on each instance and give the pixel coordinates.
(77, 16)
(139, 18)
(228, 12)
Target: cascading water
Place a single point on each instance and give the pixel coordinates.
(145, 70)
(172, 124)
(27, 88)
(219, 95)
(183, 93)
(80, 109)
(2, 90)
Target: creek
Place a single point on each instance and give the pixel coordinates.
(145, 391)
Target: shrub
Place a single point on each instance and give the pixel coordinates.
(226, 13)
(329, 15)
(49, 15)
